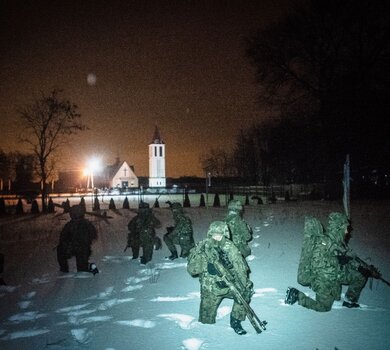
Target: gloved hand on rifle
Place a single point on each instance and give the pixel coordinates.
(212, 270)
(369, 271)
(344, 259)
(223, 257)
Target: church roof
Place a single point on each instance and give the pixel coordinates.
(156, 136)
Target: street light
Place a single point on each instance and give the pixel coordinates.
(93, 166)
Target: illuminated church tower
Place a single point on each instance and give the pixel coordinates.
(157, 161)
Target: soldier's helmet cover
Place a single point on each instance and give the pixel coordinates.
(143, 205)
(76, 212)
(235, 205)
(176, 207)
(218, 227)
(337, 224)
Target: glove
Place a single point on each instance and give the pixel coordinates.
(221, 284)
(211, 269)
(343, 259)
(225, 259)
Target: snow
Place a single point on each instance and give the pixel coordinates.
(131, 306)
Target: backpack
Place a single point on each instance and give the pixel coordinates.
(313, 230)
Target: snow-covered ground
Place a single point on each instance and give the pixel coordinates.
(130, 306)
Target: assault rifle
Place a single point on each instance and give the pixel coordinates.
(231, 282)
(373, 271)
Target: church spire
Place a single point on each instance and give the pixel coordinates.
(156, 136)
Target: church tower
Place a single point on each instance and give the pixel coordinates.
(157, 161)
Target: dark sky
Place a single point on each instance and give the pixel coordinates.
(177, 64)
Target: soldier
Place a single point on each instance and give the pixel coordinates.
(241, 232)
(213, 289)
(142, 233)
(75, 240)
(331, 267)
(181, 233)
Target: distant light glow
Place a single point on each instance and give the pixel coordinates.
(91, 79)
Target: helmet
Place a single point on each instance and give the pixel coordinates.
(143, 205)
(218, 227)
(176, 206)
(337, 224)
(235, 205)
(76, 212)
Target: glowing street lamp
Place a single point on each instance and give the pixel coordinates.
(94, 165)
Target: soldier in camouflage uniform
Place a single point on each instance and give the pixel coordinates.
(331, 268)
(241, 232)
(181, 234)
(213, 289)
(142, 233)
(75, 240)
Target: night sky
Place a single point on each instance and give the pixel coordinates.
(179, 65)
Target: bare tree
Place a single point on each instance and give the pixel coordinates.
(50, 121)
(330, 61)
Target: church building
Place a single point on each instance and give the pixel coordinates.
(157, 161)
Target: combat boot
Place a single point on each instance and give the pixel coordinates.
(173, 256)
(236, 325)
(292, 295)
(93, 268)
(349, 303)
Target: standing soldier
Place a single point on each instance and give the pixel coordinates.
(241, 232)
(142, 233)
(75, 240)
(213, 288)
(331, 268)
(181, 233)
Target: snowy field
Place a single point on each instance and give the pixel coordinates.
(129, 306)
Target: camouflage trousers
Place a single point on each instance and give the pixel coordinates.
(324, 300)
(82, 257)
(186, 243)
(209, 304)
(147, 244)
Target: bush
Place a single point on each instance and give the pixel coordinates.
(82, 204)
(112, 204)
(19, 207)
(34, 207)
(202, 202)
(96, 204)
(186, 203)
(126, 204)
(50, 206)
(217, 202)
(2, 206)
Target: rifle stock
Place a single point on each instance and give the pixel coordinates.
(227, 277)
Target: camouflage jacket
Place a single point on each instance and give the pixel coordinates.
(183, 228)
(78, 233)
(198, 261)
(142, 226)
(241, 233)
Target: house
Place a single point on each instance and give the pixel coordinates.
(121, 175)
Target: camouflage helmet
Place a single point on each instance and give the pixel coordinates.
(76, 211)
(235, 205)
(337, 224)
(176, 206)
(218, 227)
(143, 205)
(313, 226)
